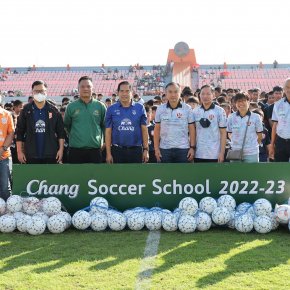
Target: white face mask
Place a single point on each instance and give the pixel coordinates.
(39, 97)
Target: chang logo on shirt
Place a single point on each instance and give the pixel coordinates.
(4, 121)
(40, 126)
(96, 113)
(76, 112)
(126, 125)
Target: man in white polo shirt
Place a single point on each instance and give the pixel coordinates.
(280, 143)
(237, 124)
(210, 122)
(174, 132)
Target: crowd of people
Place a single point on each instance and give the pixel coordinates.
(181, 126)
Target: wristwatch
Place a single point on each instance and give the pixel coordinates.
(145, 149)
(193, 147)
(5, 148)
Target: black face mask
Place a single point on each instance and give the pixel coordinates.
(204, 122)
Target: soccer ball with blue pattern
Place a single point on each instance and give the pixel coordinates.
(207, 204)
(31, 205)
(116, 221)
(187, 223)
(227, 201)
(188, 205)
(14, 203)
(56, 224)
(231, 222)
(51, 206)
(81, 220)
(263, 224)
(7, 223)
(22, 223)
(203, 221)
(35, 226)
(67, 218)
(136, 220)
(99, 222)
(170, 222)
(221, 216)
(99, 204)
(153, 220)
(262, 207)
(244, 223)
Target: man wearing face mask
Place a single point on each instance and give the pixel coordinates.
(40, 130)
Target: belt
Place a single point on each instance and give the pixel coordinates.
(126, 147)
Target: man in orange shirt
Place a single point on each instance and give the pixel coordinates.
(6, 137)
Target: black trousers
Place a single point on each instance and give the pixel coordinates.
(282, 149)
(78, 155)
(41, 161)
(127, 154)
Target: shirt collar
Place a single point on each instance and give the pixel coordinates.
(212, 106)
(286, 100)
(179, 105)
(247, 114)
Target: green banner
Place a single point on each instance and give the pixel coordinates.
(148, 185)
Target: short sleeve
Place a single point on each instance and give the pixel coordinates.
(274, 114)
(259, 125)
(143, 120)
(229, 124)
(222, 121)
(157, 115)
(108, 118)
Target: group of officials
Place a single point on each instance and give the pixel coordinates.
(181, 134)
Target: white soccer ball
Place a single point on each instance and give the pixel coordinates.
(243, 207)
(282, 213)
(153, 220)
(35, 226)
(244, 223)
(31, 205)
(262, 207)
(56, 224)
(187, 223)
(188, 205)
(14, 203)
(7, 223)
(2, 206)
(99, 222)
(263, 224)
(51, 206)
(207, 204)
(99, 204)
(81, 220)
(67, 218)
(116, 221)
(203, 221)
(128, 212)
(136, 221)
(42, 215)
(221, 216)
(22, 223)
(170, 222)
(275, 222)
(227, 201)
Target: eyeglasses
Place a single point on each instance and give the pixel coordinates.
(39, 91)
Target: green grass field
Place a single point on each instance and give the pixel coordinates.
(218, 259)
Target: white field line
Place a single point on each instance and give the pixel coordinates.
(148, 261)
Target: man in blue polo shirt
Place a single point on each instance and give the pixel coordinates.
(126, 135)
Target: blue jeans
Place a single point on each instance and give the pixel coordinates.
(174, 155)
(5, 178)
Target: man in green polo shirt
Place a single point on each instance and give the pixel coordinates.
(84, 121)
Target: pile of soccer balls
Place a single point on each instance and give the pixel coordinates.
(187, 218)
(33, 216)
